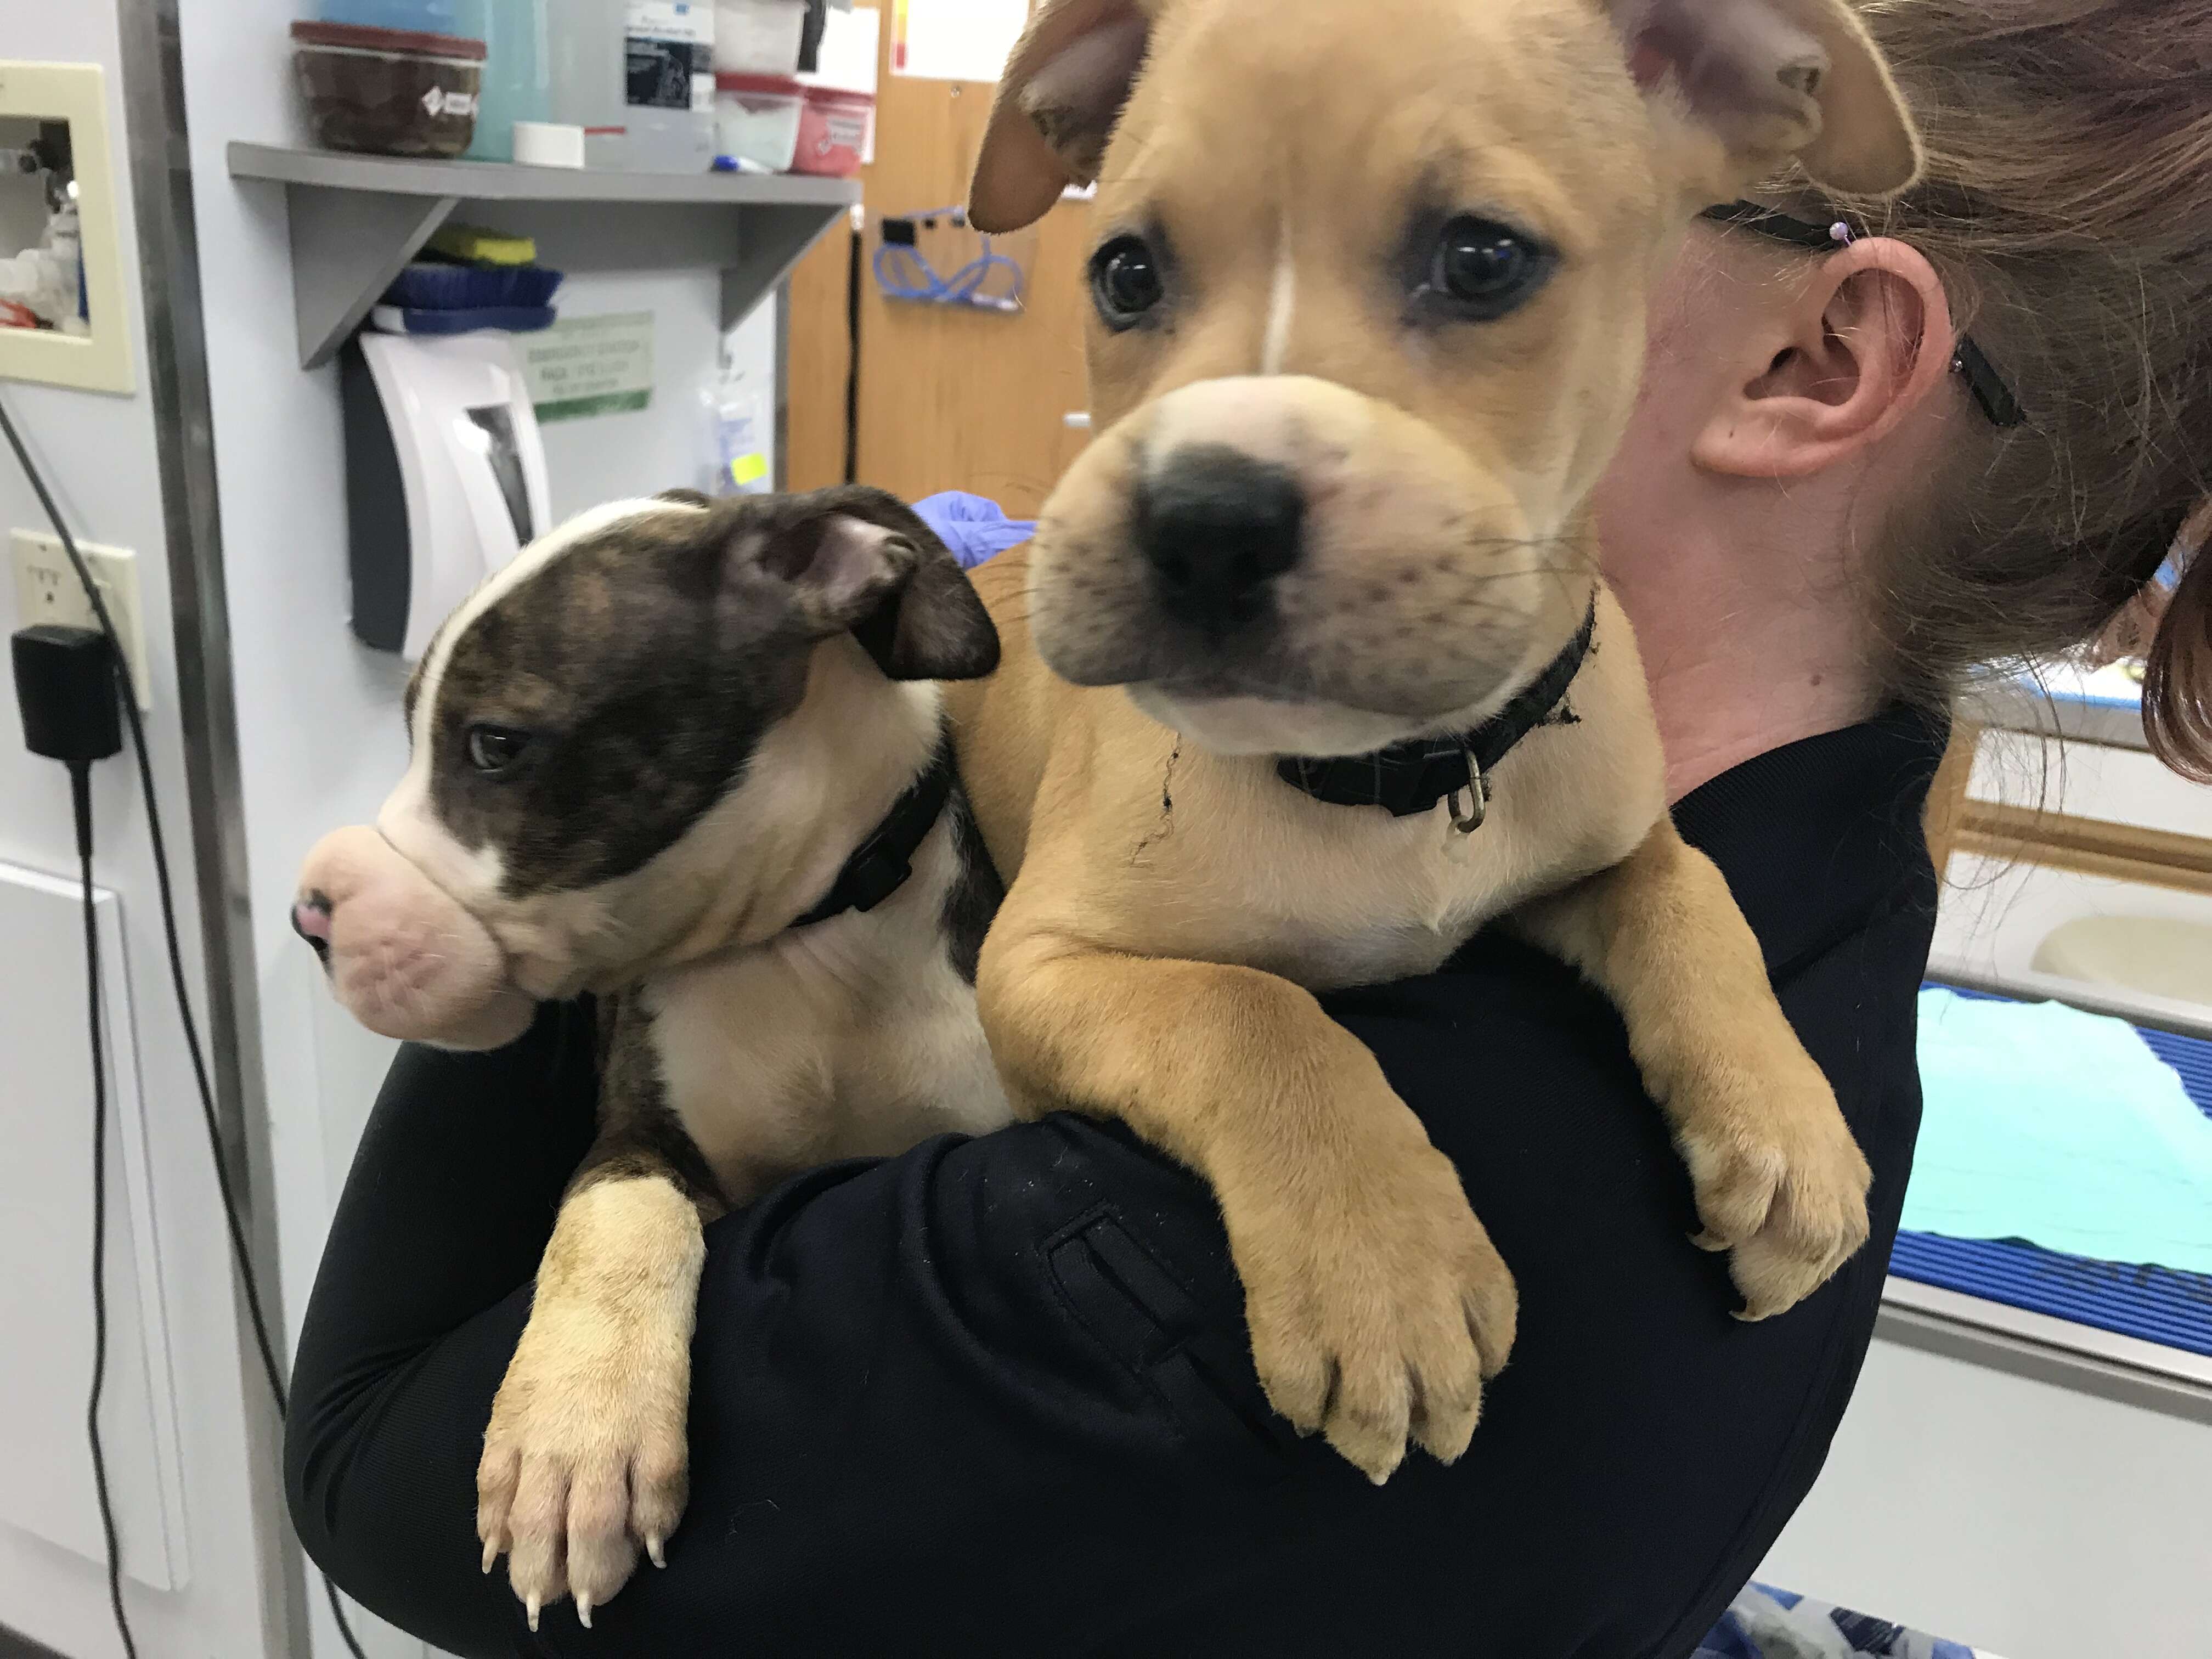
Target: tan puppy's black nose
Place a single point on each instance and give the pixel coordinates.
(1217, 526)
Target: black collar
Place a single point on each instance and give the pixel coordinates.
(881, 863)
(1412, 776)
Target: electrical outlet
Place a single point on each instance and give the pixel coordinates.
(47, 591)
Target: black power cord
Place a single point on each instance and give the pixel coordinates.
(65, 687)
(118, 688)
(80, 798)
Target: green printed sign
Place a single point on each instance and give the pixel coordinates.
(585, 366)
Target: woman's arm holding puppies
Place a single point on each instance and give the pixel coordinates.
(423, 1293)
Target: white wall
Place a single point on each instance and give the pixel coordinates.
(2032, 1521)
(100, 453)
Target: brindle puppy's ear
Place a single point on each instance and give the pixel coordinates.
(858, 560)
(685, 498)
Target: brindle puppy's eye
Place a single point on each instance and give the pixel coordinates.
(495, 748)
(1480, 270)
(1125, 282)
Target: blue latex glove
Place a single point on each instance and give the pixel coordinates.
(974, 529)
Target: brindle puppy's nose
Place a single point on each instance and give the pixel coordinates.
(311, 921)
(1217, 526)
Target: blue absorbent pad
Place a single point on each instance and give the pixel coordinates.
(2062, 1128)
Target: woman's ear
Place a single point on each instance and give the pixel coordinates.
(1866, 340)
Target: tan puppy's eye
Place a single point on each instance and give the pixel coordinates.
(1479, 269)
(1125, 282)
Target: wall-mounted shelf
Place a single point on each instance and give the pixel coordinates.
(356, 219)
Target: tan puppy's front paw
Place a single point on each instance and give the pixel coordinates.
(1377, 1306)
(1781, 1185)
(585, 1460)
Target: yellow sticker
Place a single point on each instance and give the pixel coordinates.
(748, 469)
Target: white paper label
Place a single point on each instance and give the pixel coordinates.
(955, 40)
(672, 19)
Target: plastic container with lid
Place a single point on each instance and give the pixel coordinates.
(590, 40)
(756, 118)
(517, 80)
(833, 131)
(758, 37)
(391, 92)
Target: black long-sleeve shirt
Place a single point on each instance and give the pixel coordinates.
(993, 1397)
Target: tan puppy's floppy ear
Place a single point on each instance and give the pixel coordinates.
(1057, 103)
(1769, 80)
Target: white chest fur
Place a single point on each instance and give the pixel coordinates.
(855, 1037)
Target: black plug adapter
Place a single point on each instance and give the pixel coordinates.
(65, 691)
(65, 688)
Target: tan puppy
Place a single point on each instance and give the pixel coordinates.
(1370, 289)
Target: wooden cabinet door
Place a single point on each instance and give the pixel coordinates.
(948, 397)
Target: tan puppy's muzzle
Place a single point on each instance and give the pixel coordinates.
(1286, 540)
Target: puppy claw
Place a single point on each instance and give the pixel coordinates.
(1375, 1450)
(1781, 1185)
(490, 1555)
(655, 1549)
(1446, 1428)
(584, 1611)
(531, 1607)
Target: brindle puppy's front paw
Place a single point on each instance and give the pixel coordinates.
(1376, 1302)
(1781, 1185)
(585, 1459)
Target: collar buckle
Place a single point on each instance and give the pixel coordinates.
(1468, 820)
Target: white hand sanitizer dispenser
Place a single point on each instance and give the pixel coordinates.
(445, 477)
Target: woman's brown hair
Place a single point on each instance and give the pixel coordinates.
(2068, 206)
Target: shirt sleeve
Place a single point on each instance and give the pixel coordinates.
(993, 1396)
